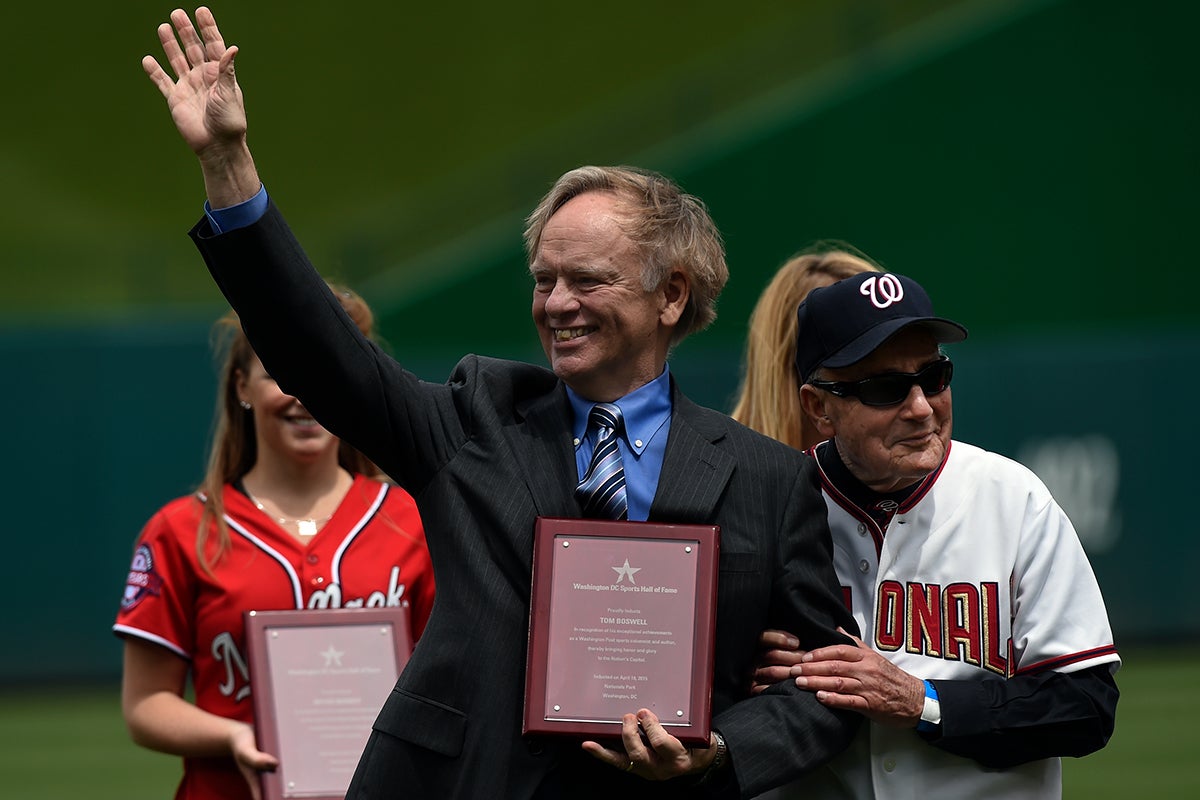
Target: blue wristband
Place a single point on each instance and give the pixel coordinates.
(931, 714)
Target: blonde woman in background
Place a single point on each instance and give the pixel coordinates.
(769, 397)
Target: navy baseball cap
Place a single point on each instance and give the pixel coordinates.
(841, 324)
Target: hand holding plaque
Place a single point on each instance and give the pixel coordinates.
(621, 618)
(318, 681)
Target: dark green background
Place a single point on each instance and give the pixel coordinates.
(1032, 163)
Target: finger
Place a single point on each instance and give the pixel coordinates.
(171, 49)
(225, 72)
(837, 652)
(193, 48)
(857, 640)
(614, 758)
(158, 75)
(778, 639)
(663, 743)
(766, 676)
(631, 737)
(829, 684)
(214, 45)
(783, 657)
(851, 702)
(834, 668)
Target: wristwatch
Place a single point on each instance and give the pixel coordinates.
(722, 753)
(719, 760)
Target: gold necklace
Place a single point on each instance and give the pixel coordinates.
(304, 527)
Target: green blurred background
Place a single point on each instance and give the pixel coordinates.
(1032, 162)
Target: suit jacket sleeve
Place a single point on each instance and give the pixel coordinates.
(784, 732)
(293, 321)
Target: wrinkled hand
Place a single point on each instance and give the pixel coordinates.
(658, 756)
(859, 679)
(205, 100)
(779, 651)
(250, 760)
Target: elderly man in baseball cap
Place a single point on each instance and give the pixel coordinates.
(986, 652)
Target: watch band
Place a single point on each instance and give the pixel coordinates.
(722, 752)
(719, 760)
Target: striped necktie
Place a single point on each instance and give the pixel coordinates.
(601, 493)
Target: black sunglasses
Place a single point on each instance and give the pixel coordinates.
(891, 388)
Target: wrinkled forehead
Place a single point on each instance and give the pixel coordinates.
(910, 349)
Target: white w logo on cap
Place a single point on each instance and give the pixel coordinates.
(883, 290)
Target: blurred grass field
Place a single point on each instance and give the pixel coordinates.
(72, 742)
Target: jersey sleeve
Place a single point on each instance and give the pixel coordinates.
(1062, 698)
(158, 602)
(1002, 723)
(1059, 619)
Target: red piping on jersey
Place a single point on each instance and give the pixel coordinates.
(925, 485)
(1058, 662)
(852, 510)
(865, 518)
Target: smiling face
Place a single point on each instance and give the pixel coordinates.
(283, 428)
(602, 331)
(887, 448)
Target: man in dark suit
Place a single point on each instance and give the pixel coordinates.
(624, 266)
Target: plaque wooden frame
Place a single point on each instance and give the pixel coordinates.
(564, 605)
(265, 652)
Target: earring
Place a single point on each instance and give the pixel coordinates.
(245, 405)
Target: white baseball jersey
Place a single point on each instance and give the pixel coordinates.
(978, 573)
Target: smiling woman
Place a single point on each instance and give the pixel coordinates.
(287, 517)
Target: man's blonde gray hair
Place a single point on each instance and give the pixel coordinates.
(672, 230)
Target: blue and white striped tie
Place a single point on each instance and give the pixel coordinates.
(601, 493)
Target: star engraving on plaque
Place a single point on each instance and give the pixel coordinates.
(626, 572)
(333, 656)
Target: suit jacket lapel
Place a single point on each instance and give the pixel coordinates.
(695, 470)
(542, 447)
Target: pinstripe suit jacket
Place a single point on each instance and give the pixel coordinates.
(485, 454)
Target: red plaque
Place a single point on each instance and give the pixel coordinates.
(621, 618)
(318, 679)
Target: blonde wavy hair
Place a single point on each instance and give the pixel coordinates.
(672, 229)
(769, 396)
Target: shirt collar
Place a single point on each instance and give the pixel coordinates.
(645, 410)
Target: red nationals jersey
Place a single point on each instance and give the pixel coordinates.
(370, 553)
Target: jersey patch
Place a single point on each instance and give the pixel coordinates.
(143, 581)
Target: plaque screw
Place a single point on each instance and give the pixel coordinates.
(566, 544)
(558, 708)
(679, 713)
(274, 634)
(687, 549)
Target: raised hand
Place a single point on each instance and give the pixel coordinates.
(206, 103)
(205, 100)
